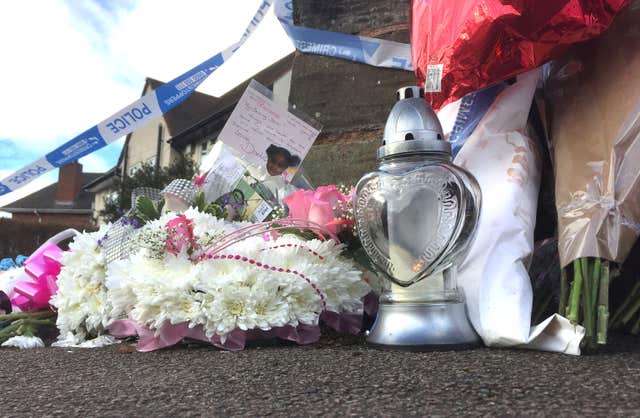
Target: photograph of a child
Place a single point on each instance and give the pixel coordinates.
(279, 159)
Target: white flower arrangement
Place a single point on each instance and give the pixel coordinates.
(81, 299)
(252, 284)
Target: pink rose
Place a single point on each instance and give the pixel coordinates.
(322, 206)
(298, 204)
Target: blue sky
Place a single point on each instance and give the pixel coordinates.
(69, 64)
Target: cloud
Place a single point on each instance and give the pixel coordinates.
(185, 35)
(73, 64)
(95, 163)
(268, 44)
(57, 82)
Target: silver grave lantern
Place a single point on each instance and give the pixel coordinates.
(416, 217)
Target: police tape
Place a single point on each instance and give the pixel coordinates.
(376, 52)
(132, 117)
(372, 51)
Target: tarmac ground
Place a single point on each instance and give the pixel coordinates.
(338, 376)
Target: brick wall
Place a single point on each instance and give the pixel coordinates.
(351, 100)
(69, 182)
(17, 237)
(79, 222)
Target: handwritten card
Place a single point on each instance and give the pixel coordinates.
(225, 172)
(267, 135)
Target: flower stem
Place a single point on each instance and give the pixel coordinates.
(23, 326)
(587, 306)
(574, 297)
(562, 307)
(9, 331)
(634, 308)
(27, 315)
(603, 303)
(615, 319)
(596, 273)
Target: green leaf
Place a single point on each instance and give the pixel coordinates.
(199, 202)
(213, 209)
(146, 209)
(160, 206)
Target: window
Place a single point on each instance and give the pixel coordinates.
(204, 149)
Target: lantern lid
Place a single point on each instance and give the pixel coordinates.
(412, 127)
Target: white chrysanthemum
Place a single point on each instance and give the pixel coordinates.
(71, 340)
(305, 304)
(207, 228)
(81, 299)
(23, 341)
(267, 301)
(153, 291)
(231, 309)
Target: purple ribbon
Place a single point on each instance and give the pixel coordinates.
(169, 335)
(343, 323)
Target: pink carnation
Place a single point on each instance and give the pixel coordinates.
(198, 180)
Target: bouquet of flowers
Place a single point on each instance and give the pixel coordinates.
(192, 274)
(594, 134)
(332, 207)
(81, 300)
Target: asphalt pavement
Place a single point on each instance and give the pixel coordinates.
(339, 376)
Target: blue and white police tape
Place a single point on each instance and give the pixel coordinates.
(376, 52)
(372, 51)
(132, 117)
(473, 107)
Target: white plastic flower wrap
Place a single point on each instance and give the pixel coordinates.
(24, 342)
(505, 161)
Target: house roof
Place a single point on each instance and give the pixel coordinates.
(224, 105)
(194, 108)
(103, 181)
(44, 200)
(200, 109)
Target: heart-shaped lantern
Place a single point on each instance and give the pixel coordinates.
(409, 223)
(417, 212)
(416, 216)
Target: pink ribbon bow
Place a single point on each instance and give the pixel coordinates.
(42, 268)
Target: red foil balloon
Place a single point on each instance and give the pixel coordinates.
(459, 46)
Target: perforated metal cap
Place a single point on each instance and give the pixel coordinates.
(412, 127)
